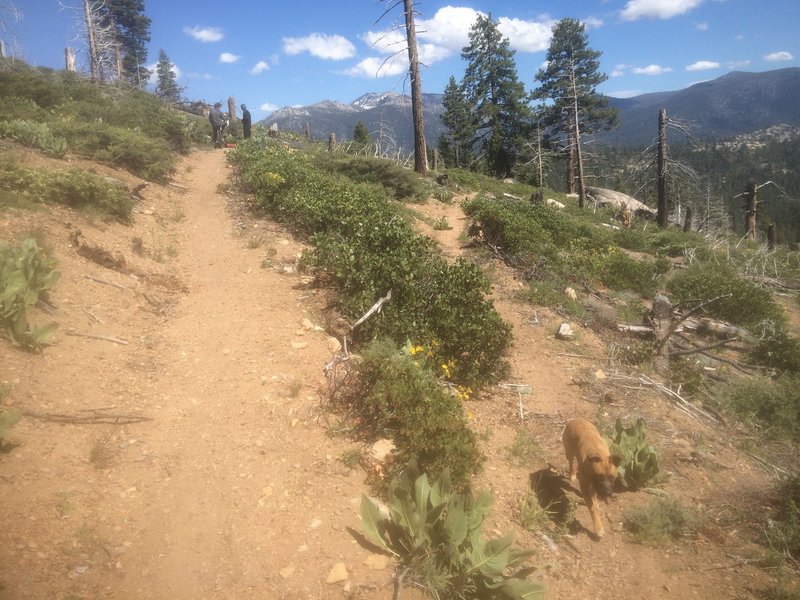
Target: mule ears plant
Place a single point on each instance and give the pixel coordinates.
(638, 460)
(429, 527)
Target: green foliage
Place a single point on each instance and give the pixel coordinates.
(778, 350)
(639, 464)
(530, 515)
(365, 248)
(25, 274)
(437, 535)
(167, 84)
(783, 530)
(400, 183)
(686, 375)
(34, 135)
(748, 304)
(399, 396)
(361, 134)
(663, 519)
(128, 128)
(524, 449)
(771, 404)
(75, 188)
(621, 272)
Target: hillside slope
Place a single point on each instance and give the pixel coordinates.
(233, 487)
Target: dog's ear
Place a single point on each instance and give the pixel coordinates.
(616, 460)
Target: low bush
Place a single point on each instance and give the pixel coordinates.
(75, 188)
(365, 248)
(34, 135)
(397, 395)
(661, 520)
(773, 405)
(783, 529)
(778, 350)
(401, 182)
(748, 305)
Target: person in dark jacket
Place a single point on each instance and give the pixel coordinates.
(246, 120)
(217, 120)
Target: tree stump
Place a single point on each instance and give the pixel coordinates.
(661, 319)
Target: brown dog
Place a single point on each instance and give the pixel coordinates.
(597, 468)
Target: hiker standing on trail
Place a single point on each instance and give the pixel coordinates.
(246, 120)
(218, 123)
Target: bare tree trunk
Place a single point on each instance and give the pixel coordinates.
(69, 58)
(581, 185)
(94, 66)
(771, 237)
(331, 142)
(687, 223)
(663, 201)
(752, 208)
(231, 108)
(571, 154)
(420, 150)
(118, 57)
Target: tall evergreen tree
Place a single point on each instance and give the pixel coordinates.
(496, 95)
(132, 32)
(166, 84)
(361, 134)
(569, 81)
(457, 117)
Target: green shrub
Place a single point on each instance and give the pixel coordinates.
(365, 248)
(437, 536)
(663, 519)
(783, 530)
(26, 273)
(402, 183)
(779, 351)
(639, 464)
(34, 135)
(621, 272)
(75, 188)
(772, 405)
(397, 395)
(748, 304)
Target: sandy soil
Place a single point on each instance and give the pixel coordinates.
(233, 487)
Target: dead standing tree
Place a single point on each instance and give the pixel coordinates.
(420, 150)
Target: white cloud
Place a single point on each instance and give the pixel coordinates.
(259, 67)
(228, 58)
(204, 34)
(778, 56)
(619, 70)
(657, 9)
(592, 22)
(652, 70)
(703, 65)
(701, 26)
(526, 36)
(376, 66)
(268, 107)
(449, 28)
(327, 47)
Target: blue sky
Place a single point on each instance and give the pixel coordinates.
(298, 52)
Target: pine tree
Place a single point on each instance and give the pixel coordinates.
(497, 97)
(457, 117)
(361, 134)
(132, 32)
(166, 84)
(569, 80)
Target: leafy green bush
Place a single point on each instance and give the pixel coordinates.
(639, 464)
(773, 405)
(748, 304)
(779, 351)
(621, 272)
(437, 536)
(34, 135)
(663, 519)
(25, 274)
(365, 248)
(783, 530)
(402, 183)
(398, 395)
(75, 188)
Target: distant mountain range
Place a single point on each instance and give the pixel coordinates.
(736, 104)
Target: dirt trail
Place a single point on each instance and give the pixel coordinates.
(234, 489)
